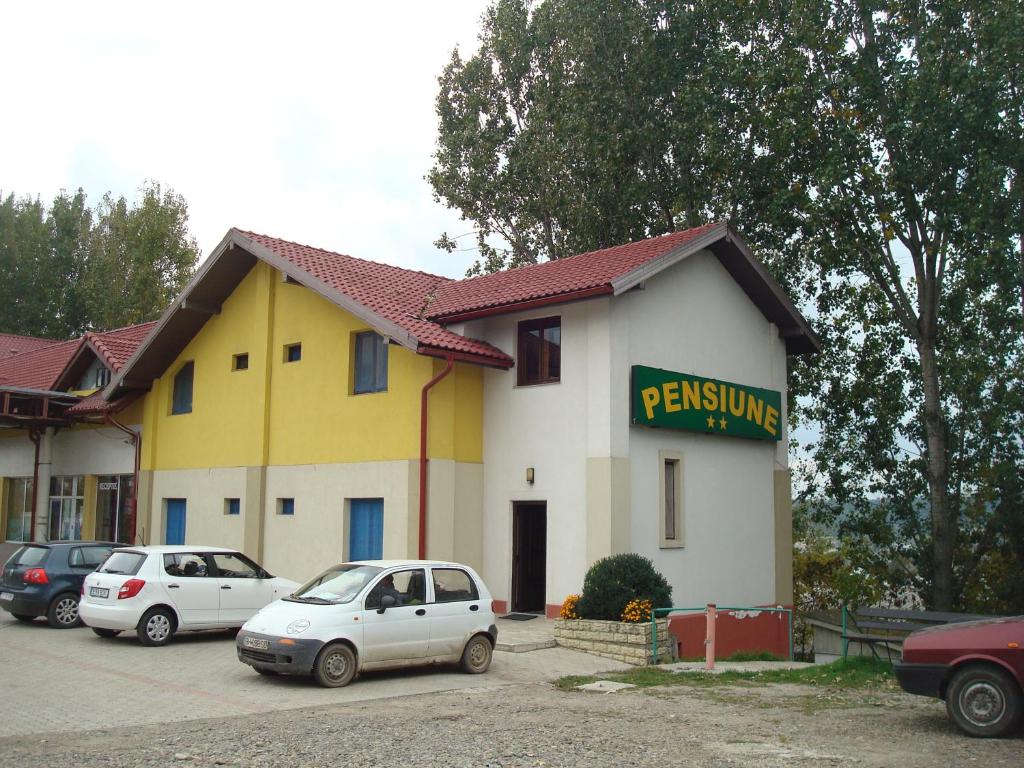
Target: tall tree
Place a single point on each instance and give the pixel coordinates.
(870, 149)
(140, 257)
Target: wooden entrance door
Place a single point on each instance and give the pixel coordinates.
(529, 555)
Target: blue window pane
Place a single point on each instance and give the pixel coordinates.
(181, 402)
(287, 506)
(293, 353)
(234, 506)
(371, 363)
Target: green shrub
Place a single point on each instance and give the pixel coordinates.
(613, 581)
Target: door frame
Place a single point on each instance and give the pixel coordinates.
(515, 603)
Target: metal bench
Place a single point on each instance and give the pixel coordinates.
(887, 627)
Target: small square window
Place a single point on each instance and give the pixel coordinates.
(292, 353)
(286, 506)
(232, 506)
(240, 362)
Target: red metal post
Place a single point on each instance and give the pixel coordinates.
(33, 435)
(449, 364)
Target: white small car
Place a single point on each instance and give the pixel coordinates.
(374, 614)
(158, 591)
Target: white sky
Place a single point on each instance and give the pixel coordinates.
(309, 121)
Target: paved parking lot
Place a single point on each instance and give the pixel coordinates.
(71, 680)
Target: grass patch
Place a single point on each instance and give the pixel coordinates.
(853, 673)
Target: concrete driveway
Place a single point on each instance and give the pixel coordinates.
(72, 680)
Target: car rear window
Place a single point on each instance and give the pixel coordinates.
(29, 556)
(123, 562)
(87, 557)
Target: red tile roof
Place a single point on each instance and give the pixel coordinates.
(12, 344)
(115, 347)
(37, 368)
(393, 293)
(576, 274)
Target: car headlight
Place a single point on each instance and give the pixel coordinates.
(297, 627)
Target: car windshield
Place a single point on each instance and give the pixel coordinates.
(339, 584)
(122, 562)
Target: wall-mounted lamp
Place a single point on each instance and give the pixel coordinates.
(529, 475)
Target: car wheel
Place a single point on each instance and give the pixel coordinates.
(23, 617)
(156, 627)
(983, 701)
(335, 666)
(63, 611)
(476, 658)
(106, 632)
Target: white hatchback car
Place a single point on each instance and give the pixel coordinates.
(374, 614)
(158, 591)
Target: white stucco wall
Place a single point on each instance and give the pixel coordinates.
(100, 451)
(694, 318)
(691, 318)
(17, 454)
(204, 491)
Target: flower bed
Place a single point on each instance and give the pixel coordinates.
(619, 640)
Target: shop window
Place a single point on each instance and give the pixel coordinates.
(67, 499)
(292, 353)
(181, 399)
(19, 509)
(671, 499)
(539, 351)
(371, 363)
(232, 506)
(286, 506)
(113, 498)
(240, 362)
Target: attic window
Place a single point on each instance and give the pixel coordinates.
(292, 353)
(181, 398)
(540, 351)
(102, 377)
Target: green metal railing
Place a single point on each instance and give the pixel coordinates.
(659, 612)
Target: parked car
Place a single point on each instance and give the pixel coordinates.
(374, 614)
(977, 667)
(45, 579)
(158, 591)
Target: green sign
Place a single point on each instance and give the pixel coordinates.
(683, 401)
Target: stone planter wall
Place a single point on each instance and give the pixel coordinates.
(617, 640)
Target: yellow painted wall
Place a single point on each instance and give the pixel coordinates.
(311, 416)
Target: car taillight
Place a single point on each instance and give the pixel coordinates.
(35, 576)
(130, 588)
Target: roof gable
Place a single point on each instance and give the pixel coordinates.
(112, 348)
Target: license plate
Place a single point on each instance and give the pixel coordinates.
(98, 592)
(6, 596)
(257, 643)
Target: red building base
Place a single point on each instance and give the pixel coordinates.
(751, 630)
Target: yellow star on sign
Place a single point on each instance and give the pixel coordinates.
(723, 422)
(711, 422)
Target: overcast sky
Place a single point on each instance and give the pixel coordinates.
(313, 122)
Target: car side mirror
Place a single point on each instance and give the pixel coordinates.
(387, 601)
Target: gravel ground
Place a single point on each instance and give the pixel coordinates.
(538, 725)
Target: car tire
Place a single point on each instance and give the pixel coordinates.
(106, 632)
(476, 656)
(63, 611)
(983, 701)
(24, 617)
(156, 627)
(335, 666)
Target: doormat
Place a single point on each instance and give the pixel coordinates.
(519, 616)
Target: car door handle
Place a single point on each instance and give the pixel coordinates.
(225, 586)
(421, 611)
(474, 607)
(174, 586)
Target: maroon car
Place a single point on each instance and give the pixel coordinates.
(976, 666)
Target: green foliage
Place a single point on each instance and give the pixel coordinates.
(613, 581)
(870, 152)
(69, 269)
